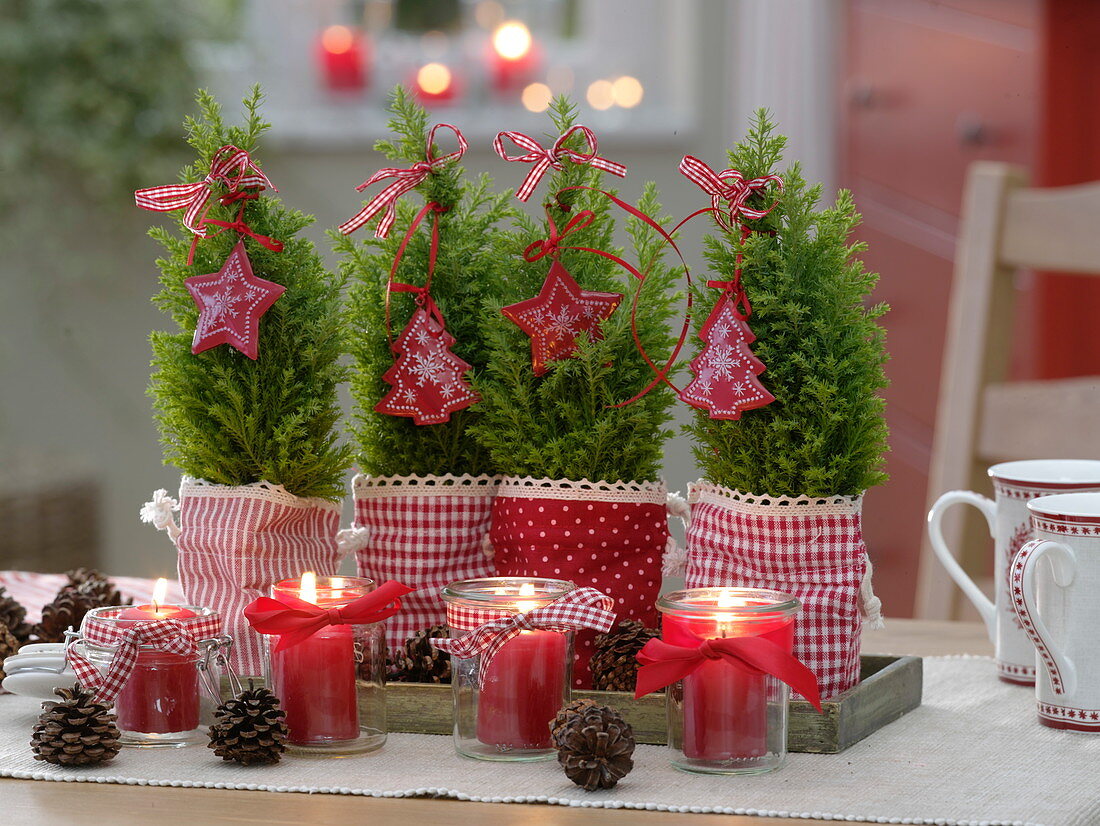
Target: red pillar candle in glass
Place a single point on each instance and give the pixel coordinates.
(162, 694)
(729, 717)
(513, 57)
(506, 715)
(342, 55)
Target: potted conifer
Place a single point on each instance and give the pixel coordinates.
(425, 486)
(245, 388)
(581, 496)
(780, 502)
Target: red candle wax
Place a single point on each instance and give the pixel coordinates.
(522, 691)
(725, 705)
(315, 682)
(162, 694)
(342, 56)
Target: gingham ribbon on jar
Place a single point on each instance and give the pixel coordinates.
(172, 636)
(230, 166)
(405, 180)
(544, 159)
(580, 608)
(729, 190)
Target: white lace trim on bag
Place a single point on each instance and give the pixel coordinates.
(377, 487)
(528, 487)
(189, 486)
(765, 505)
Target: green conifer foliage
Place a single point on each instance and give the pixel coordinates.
(563, 424)
(468, 271)
(824, 350)
(222, 416)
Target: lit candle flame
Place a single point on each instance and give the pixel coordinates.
(527, 589)
(512, 40)
(726, 599)
(308, 589)
(433, 79)
(160, 591)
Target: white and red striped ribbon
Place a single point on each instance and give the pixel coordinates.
(580, 608)
(544, 159)
(175, 636)
(405, 181)
(729, 190)
(230, 166)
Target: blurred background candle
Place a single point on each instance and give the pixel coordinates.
(435, 84)
(513, 56)
(342, 53)
(315, 679)
(725, 707)
(162, 694)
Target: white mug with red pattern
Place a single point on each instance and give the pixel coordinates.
(1058, 607)
(1014, 484)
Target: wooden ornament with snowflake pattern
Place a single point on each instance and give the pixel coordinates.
(725, 383)
(428, 379)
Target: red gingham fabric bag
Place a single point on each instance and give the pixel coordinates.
(236, 542)
(426, 532)
(810, 548)
(608, 536)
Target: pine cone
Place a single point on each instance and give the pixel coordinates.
(77, 731)
(566, 715)
(614, 667)
(67, 609)
(420, 662)
(249, 728)
(103, 593)
(595, 748)
(14, 616)
(8, 646)
(78, 576)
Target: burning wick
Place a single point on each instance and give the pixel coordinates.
(308, 590)
(160, 591)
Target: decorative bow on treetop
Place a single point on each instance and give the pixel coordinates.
(729, 191)
(544, 159)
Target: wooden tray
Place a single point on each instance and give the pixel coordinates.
(889, 687)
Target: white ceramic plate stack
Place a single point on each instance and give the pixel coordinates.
(37, 670)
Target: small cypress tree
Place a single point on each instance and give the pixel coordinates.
(563, 424)
(222, 416)
(467, 272)
(824, 350)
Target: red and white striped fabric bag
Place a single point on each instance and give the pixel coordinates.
(604, 535)
(810, 548)
(424, 531)
(236, 542)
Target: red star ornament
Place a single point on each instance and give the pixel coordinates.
(230, 303)
(725, 382)
(558, 314)
(428, 379)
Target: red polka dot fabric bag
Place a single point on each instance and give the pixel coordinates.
(608, 536)
(424, 531)
(810, 548)
(236, 542)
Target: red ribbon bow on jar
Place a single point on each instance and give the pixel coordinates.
(544, 159)
(295, 620)
(405, 181)
(663, 663)
(580, 608)
(172, 636)
(729, 191)
(230, 166)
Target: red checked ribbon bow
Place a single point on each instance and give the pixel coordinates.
(405, 181)
(729, 191)
(230, 166)
(580, 608)
(295, 620)
(663, 663)
(172, 636)
(544, 159)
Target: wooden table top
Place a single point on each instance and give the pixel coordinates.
(62, 804)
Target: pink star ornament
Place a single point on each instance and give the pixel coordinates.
(230, 303)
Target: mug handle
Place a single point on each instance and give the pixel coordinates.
(1060, 668)
(988, 508)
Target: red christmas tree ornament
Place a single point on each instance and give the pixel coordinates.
(428, 379)
(558, 314)
(230, 303)
(725, 382)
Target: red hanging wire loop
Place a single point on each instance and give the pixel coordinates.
(421, 294)
(551, 246)
(237, 224)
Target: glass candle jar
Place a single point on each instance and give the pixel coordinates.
(167, 695)
(505, 714)
(725, 718)
(331, 684)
